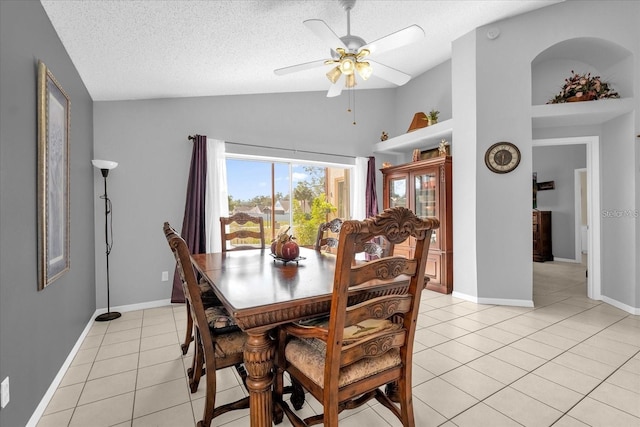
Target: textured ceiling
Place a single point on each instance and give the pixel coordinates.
(164, 49)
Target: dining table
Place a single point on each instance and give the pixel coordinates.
(261, 292)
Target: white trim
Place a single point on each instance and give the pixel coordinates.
(617, 304)
(493, 301)
(573, 261)
(291, 160)
(44, 402)
(139, 306)
(577, 203)
(594, 279)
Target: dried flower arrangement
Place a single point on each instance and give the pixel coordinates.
(583, 87)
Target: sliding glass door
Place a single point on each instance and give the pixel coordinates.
(288, 195)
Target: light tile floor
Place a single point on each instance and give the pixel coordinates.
(568, 362)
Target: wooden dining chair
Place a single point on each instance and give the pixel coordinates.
(323, 239)
(215, 347)
(243, 231)
(239, 228)
(326, 240)
(365, 342)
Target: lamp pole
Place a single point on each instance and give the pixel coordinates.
(109, 315)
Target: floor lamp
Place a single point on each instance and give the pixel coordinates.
(105, 166)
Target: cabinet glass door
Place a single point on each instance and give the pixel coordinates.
(426, 198)
(398, 192)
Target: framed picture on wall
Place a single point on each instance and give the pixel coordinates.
(54, 108)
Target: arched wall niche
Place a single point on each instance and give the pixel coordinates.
(597, 56)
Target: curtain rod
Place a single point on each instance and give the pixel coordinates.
(191, 138)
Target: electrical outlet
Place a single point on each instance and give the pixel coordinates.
(165, 276)
(4, 392)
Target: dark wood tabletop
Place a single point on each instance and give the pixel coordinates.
(260, 291)
(253, 278)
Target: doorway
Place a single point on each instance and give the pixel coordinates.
(581, 218)
(592, 144)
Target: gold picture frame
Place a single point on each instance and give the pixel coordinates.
(54, 110)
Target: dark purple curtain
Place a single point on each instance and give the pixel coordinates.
(193, 224)
(370, 191)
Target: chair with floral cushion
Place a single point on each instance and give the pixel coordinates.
(217, 345)
(364, 343)
(244, 230)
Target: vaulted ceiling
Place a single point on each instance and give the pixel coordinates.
(142, 49)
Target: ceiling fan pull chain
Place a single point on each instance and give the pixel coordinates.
(352, 93)
(354, 106)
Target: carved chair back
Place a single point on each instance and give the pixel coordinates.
(248, 230)
(377, 247)
(364, 343)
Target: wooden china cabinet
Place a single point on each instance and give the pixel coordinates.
(542, 236)
(424, 187)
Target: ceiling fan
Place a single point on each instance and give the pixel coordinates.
(348, 54)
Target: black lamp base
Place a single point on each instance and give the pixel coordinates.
(105, 317)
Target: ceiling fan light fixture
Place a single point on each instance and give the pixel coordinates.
(347, 65)
(364, 69)
(350, 80)
(334, 74)
(363, 53)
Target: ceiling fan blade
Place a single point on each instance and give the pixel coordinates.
(389, 74)
(411, 34)
(336, 88)
(326, 34)
(299, 67)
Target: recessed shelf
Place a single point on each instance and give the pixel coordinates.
(579, 113)
(423, 138)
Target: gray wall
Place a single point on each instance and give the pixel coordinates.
(427, 91)
(38, 329)
(491, 100)
(558, 164)
(495, 105)
(149, 140)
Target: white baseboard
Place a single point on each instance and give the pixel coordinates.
(617, 304)
(134, 307)
(35, 417)
(566, 260)
(494, 301)
(44, 402)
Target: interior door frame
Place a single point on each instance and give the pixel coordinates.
(577, 187)
(592, 143)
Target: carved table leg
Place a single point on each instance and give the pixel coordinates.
(258, 360)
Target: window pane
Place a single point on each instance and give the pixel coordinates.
(263, 187)
(250, 190)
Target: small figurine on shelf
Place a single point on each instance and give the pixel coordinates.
(384, 136)
(433, 116)
(386, 164)
(443, 147)
(416, 154)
